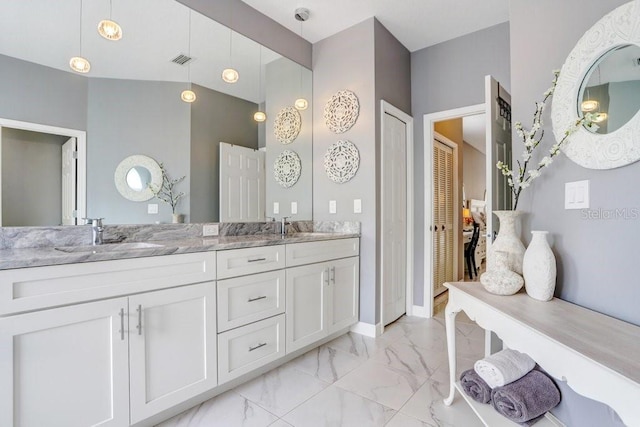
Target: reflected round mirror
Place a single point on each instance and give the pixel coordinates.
(138, 178)
(611, 89)
(135, 177)
(596, 78)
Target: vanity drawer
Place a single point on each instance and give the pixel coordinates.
(240, 262)
(35, 288)
(312, 252)
(247, 299)
(244, 349)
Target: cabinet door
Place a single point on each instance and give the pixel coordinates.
(172, 347)
(65, 367)
(306, 307)
(343, 293)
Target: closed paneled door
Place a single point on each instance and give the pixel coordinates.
(443, 216)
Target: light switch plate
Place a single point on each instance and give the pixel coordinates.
(210, 230)
(333, 208)
(276, 207)
(357, 205)
(294, 208)
(152, 208)
(576, 195)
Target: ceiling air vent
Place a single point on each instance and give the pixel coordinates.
(182, 59)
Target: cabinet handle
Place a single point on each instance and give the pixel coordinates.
(139, 327)
(258, 346)
(256, 260)
(326, 277)
(333, 275)
(256, 299)
(122, 324)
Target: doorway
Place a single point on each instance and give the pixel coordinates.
(396, 207)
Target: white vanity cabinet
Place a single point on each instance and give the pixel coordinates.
(322, 297)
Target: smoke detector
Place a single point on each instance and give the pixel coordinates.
(302, 14)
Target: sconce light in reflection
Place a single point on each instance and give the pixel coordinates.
(259, 116)
(600, 117)
(590, 105)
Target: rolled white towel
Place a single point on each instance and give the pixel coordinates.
(504, 367)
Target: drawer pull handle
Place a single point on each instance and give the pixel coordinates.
(122, 324)
(257, 298)
(139, 327)
(256, 260)
(326, 277)
(258, 346)
(333, 275)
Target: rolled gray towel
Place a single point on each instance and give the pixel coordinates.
(475, 387)
(526, 399)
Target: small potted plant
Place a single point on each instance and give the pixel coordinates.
(167, 193)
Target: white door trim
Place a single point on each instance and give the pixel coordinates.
(81, 138)
(429, 134)
(386, 108)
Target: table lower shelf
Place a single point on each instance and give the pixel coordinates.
(491, 418)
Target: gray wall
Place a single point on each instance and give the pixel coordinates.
(597, 266)
(247, 21)
(215, 117)
(127, 117)
(31, 178)
(38, 94)
(473, 172)
(446, 76)
(282, 88)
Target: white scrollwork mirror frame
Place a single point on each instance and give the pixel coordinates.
(590, 150)
(120, 177)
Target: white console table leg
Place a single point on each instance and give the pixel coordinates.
(450, 324)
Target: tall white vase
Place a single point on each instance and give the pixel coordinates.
(507, 241)
(539, 268)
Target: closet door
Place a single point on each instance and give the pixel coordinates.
(442, 216)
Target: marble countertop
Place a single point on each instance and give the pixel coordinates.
(44, 256)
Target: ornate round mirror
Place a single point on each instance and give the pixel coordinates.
(135, 176)
(602, 76)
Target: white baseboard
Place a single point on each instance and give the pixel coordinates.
(420, 311)
(367, 329)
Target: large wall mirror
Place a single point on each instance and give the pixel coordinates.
(129, 103)
(601, 76)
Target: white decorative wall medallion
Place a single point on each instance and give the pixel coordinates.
(341, 111)
(286, 168)
(286, 126)
(341, 161)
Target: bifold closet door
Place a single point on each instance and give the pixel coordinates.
(442, 227)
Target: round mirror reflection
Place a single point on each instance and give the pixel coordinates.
(138, 178)
(611, 89)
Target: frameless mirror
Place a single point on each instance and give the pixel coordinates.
(130, 103)
(611, 89)
(596, 77)
(138, 178)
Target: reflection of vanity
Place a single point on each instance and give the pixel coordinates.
(133, 338)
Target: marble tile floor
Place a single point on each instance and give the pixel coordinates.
(397, 380)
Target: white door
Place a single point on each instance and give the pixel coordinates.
(172, 337)
(69, 173)
(394, 218)
(242, 184)
(306, 287)
(443, 216)
(344, 286)
(65, 367)
(0, 175)
(498, 105)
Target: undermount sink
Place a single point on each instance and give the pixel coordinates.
(108, 247)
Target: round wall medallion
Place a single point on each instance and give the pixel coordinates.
(341, 111)
(286, 126)
(341, 161)
(286, 168)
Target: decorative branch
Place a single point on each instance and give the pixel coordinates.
(166, 191)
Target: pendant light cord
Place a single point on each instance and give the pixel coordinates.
(80, 27)
(189, 51)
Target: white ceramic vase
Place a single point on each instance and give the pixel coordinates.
(501, 281)
(539, 268)
(507, 241)
(177, 218)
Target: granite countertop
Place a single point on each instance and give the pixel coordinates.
(43, 256)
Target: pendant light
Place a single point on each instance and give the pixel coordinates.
(188, 95)
(260, 116)
(230, 75)
(109, 29)
(80, 64)
(301, 14)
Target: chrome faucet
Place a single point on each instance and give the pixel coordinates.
(97, 230)
(283, 225)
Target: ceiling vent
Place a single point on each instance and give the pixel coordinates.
(182, 59)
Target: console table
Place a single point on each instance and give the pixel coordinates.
(597, 355)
